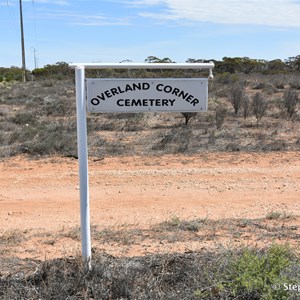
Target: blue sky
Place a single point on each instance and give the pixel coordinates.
(111, 31)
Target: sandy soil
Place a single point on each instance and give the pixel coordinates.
(40, 198)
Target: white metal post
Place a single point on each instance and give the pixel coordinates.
(83, 164)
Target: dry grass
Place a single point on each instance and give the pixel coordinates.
(222, 271)
(39, 118)
(170, 235)
(227, 274)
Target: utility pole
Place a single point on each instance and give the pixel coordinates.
(22, 44)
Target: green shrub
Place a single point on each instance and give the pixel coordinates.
(255, 275)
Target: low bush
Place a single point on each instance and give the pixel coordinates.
(45, 139)
(23, 118)
(259, 106)
(228, 274)
(177, 140)
(31, 113)
(257, 275)
(236, 95)
(290, 100)
(221, 113)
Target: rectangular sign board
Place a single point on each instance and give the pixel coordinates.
(147, 95)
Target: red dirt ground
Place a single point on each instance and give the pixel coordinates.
(40, 198)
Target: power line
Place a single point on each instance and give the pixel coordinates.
(35, 36)
(22, 43)
(14, 18)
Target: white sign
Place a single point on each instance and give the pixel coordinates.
(145, 95)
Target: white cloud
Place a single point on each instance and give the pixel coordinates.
(99, 21)
(55, 2)
(144, 2)
(85, 19)
(279, 13)
(33, 2)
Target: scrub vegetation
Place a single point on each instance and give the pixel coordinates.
(225, 273)
(253, 106)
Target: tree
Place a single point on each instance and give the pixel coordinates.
(12, 73)
(231, 64)
(290, 100)
(188, 116)
(293, 63)
(248, 65)
(60, 68)
(246, 107)
(221, 113)
(276, 66)
(154, 59)
(235, 96)
(259, 106)
(193, 60)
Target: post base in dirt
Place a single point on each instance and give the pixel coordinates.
(83, 165)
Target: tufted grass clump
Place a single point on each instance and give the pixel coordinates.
(247, 274)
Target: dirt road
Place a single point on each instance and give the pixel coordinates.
(44, 194)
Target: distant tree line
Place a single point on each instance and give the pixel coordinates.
(10, 74)
(229, 65)
(243, 64)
